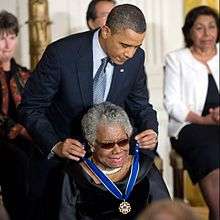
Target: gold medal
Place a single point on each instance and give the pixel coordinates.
(124, 207)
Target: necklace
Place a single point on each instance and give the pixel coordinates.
(109, 171)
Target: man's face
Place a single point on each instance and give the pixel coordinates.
(122, 45)
(102, 10)
(8, 44)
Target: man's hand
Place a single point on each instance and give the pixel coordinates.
(209, 120)
(70, 148)
(18, 129)
(147, 139)
(15, 131)
(215, 113)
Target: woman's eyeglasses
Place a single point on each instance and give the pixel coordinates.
(120, 143)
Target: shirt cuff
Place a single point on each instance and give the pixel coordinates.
(52, 152)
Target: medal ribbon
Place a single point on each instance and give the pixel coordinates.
(109, 185)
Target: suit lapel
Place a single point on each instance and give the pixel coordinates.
(85, 71)
(117, 81)
(85, 75)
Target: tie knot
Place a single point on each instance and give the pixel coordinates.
(105, 59)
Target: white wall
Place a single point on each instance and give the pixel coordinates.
(164, 18)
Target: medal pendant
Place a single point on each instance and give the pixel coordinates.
(124, 208)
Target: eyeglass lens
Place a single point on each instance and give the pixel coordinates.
(121, 143)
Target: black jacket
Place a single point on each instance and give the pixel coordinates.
(82, 199)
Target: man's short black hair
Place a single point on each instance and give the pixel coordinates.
(191, 18)
(8, 23)
(91, 12)
(126, 16)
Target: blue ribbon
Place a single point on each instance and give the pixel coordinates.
(109, 185)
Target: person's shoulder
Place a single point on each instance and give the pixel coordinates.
(72, 167)
(137, 59)
(146, 159)
(178, 52)
(74, 37)
(18, 67)
(181, 54)
(72, 41)
(140, 53)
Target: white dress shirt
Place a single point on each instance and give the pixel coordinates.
(98, 54)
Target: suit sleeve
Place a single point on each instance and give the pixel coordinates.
(138, 102)
(68, 201)
(39, 91)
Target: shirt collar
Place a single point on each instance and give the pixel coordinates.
(98, 52)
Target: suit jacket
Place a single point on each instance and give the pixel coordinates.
(83, 199)
(60, 91)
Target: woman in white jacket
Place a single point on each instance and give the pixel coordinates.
(191, 98)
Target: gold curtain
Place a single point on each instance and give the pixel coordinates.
(189, 4)
(39, 29)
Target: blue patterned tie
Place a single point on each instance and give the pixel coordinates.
(99, 82)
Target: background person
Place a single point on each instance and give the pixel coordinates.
(168, 210)
(97, 13)
(192, 102)
(15, 142)
(108, 132)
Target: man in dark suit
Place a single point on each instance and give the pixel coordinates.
(61, 88)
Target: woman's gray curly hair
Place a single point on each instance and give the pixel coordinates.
(105, 112)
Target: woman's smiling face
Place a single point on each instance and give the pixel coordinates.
(111, 146)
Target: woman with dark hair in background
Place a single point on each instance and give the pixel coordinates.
(14, 139)
(192, 101)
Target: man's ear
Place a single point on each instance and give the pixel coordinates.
(91, 24)
(105, 32)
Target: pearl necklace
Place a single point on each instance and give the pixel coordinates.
(109, 171)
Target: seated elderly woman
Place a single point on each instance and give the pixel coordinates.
(109, 183)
